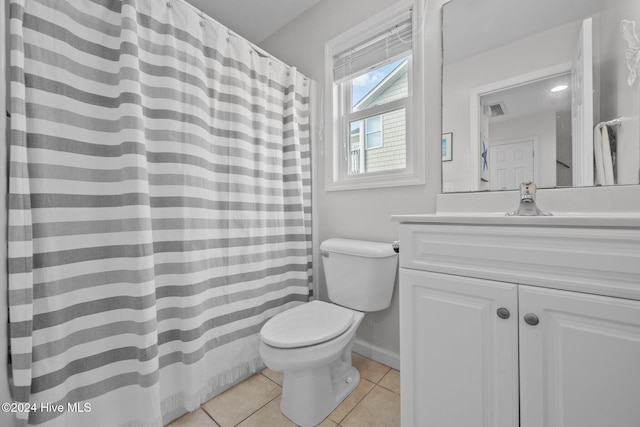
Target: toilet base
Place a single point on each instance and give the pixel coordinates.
(324, 388)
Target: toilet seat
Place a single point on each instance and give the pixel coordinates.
(307, 324)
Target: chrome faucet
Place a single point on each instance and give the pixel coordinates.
(528, 201)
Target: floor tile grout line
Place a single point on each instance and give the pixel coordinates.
(253, 413)
(383, 375)
(356, 405)
(271, 380)
(388, 389)
(360, 401)
(209, 415)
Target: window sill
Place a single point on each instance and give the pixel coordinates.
(377, 180)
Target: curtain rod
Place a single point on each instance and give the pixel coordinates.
(257, 49)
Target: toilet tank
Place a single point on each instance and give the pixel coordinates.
(359, 274)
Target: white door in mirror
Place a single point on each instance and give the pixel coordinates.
(511, 164)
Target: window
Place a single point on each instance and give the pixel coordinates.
(370, 72)
(373, 132)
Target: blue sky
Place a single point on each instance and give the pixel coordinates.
(364, 83)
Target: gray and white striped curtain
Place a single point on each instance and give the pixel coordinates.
(159, 207)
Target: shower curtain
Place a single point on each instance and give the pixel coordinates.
(159, 208)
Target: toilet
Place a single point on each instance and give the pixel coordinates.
(311, 343)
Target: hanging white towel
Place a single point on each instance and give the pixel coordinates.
(607, 160)
(598, 157)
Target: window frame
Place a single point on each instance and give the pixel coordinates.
(367, 133)
(338, 106)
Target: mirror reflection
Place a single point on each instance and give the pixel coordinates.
(540, 90)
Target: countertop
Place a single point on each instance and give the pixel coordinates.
(607, 220)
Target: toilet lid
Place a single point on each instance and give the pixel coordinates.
(306, 324)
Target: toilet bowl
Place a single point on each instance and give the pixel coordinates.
(312, 343)
(316, 377)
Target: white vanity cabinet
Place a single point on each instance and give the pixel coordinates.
(459, 361)
(521, 325)
(580, 366)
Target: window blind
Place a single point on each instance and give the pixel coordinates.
(388, 44)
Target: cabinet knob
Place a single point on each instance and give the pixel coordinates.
(503, 313)
(531, 319)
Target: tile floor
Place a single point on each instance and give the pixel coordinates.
(255, 402)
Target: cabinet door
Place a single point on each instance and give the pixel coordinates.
(580, 365)
(459, 361)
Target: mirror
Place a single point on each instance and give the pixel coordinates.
(542, 90)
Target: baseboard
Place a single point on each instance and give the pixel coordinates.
(376, 353)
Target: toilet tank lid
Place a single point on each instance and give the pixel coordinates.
(361, 248)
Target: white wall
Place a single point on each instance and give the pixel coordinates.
(537, 52)
(617, 98)
(6, 419)
(363, 214)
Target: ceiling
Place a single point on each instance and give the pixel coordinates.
(254, 20)
(471, 26)
(531, 98)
